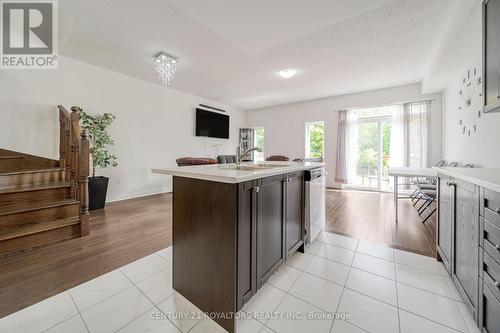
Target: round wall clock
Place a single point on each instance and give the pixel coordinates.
(470, 103)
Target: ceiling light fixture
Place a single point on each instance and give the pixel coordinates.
(287, 73)
(165, 66)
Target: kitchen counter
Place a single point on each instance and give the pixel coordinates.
(484, 177)
(468, 233)
(233, 227)
(226, 173)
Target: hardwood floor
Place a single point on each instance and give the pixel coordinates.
(122, 233)
(128, 230)
(370, 216)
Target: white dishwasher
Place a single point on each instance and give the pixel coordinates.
(315, 183)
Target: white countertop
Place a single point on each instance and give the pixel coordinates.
(222, 173)
(488, 178)
(412, 172)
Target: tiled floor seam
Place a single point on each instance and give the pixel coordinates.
(322, 278)
(51, 327)
(263, 325)
(343, 289)
(366, 254)
(377, 299)
(397, 297)
(274, 310)
(103, 300)
(463, 317)
(165, 259)
(96, 304)
(348, 322)
(337, 245)
(409, 285)
(431, 320)
(150, 275)
(131, 321)
(420, 269)
(77, 309)
(154, 305)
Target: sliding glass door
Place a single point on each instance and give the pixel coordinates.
(373, 151)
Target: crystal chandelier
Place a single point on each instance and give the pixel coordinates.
(166, 66)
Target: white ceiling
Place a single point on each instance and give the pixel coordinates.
(254, 26)
(232, 50)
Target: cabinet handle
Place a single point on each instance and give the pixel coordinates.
(497, 247)
(450, 184)
(497, 211)
(255, 189)
(497, 285)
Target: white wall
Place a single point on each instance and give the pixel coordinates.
(154, 125)
(463, 53)
(284, 125)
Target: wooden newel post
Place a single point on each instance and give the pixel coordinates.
(84, 182)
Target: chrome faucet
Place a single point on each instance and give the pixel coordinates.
(240, 155)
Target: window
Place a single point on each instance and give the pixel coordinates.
(315, 139)
(393, 135)
(258, 141)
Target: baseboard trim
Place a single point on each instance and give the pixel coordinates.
(136, 196)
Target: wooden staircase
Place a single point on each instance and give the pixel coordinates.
(42, 200)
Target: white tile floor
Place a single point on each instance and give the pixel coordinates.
(375, 288)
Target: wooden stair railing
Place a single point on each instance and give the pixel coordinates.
(74, 156)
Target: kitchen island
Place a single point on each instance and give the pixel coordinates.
(233, 226)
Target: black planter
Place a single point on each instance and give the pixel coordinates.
(98, 187)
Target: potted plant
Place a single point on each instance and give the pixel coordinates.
(97, 129)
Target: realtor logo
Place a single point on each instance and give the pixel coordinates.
(29, 34)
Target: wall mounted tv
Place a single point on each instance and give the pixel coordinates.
(212, 124)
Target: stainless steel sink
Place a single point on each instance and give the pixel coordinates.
(244, 167)
(268, 165)
(252, 167)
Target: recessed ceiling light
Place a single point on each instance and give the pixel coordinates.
(287, 73)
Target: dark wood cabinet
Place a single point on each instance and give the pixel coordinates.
(230, 238)
(294, 214)
(270, 226)
(465, 265)
(247, 261)
(446, 210)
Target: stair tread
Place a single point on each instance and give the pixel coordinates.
(8, 157)
(25, 171)
(36, 206)
(37, 187)
(36, 228)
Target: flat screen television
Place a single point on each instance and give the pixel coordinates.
(212, 124)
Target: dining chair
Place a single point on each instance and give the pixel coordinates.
(277, 158)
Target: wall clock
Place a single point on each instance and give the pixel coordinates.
(470, 102)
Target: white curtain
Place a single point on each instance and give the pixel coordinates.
(341, 176)
(347, 147)
(418, 139)
(352, 145)
(409, 135)
(398, 144)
